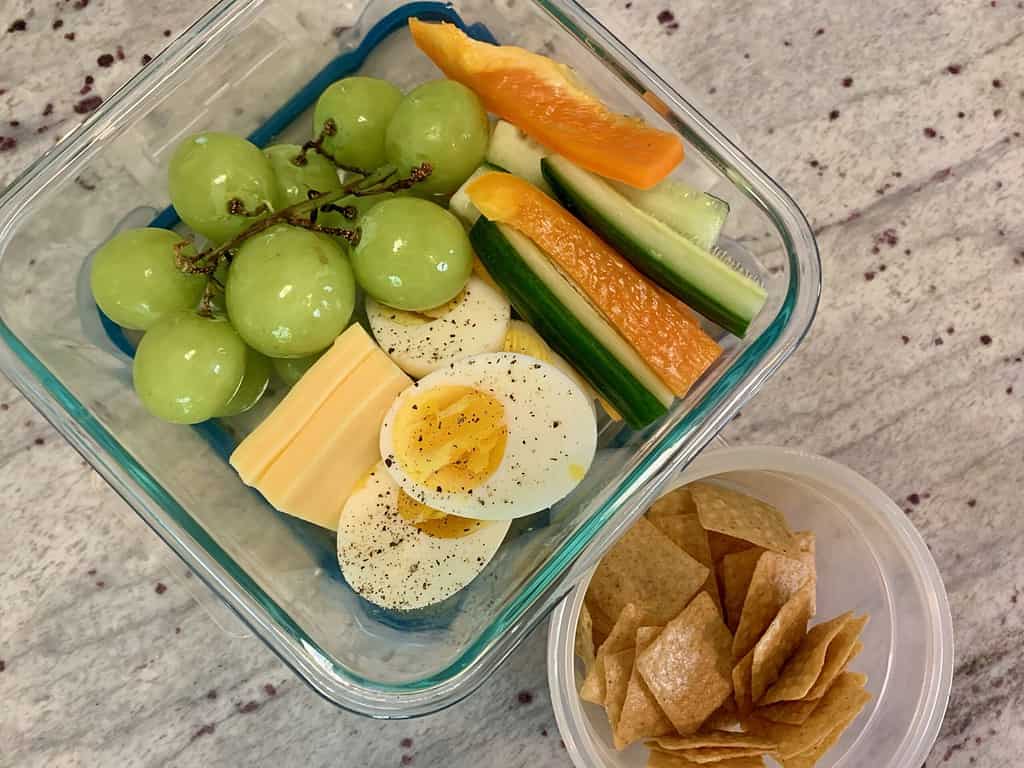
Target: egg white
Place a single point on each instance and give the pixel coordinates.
(394, 564)
(476, 323)
(552, 437)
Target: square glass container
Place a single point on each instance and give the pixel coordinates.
(255, 67)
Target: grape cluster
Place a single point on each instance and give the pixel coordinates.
(290, 231)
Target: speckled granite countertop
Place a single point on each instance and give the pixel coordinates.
(895, 125)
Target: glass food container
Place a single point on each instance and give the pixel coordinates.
(256, 67)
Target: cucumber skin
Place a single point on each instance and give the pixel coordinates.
(560, 328)
(646, 260)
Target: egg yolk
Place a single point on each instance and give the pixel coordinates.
(450, 438)
(415, 511)
(434, 522)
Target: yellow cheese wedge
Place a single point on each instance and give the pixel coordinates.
(259, 450)
(319, 469)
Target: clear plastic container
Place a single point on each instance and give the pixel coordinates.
(870, 559)
(256, 67)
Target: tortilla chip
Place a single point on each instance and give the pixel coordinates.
(593, 689)
(647, 569)
(715, 755)
(686, 532)
(776, 579)
(675, 502)
(743, 517)
(780, 641)
(797, 712)
(583, 644)
(659, 759)
(805, 540)
(840, 652)
(734, 574)
(722, 545)
(723, 719)
(741, 683)
(854, 652)
(602, 623)
(641, 717)
(621, 638)
(841, 704)
(617, 668)
(709, 739)
(810, 757)
(802, 671)
(688, 668)
(789, 712)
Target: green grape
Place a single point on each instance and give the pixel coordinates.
(188, 367)
(254, 384)
(361, 108)
(290, 291)
(291, 369)
(442, 123)
(134, 279)
(295, 182)
(210, 170)
(413, 254)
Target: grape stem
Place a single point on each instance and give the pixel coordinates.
(330, 128)
(213, 287)
(237, 207)
(348, 211)
(351, 235)
(302, 214)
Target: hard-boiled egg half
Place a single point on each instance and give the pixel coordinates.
(421, 342)
(399, 554)
(490, 437)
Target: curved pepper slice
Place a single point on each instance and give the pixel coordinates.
(546, 100)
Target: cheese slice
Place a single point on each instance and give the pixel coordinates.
(268, 441)
(317, 472)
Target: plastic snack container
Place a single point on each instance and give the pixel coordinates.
(870, 559)
(256, 67)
